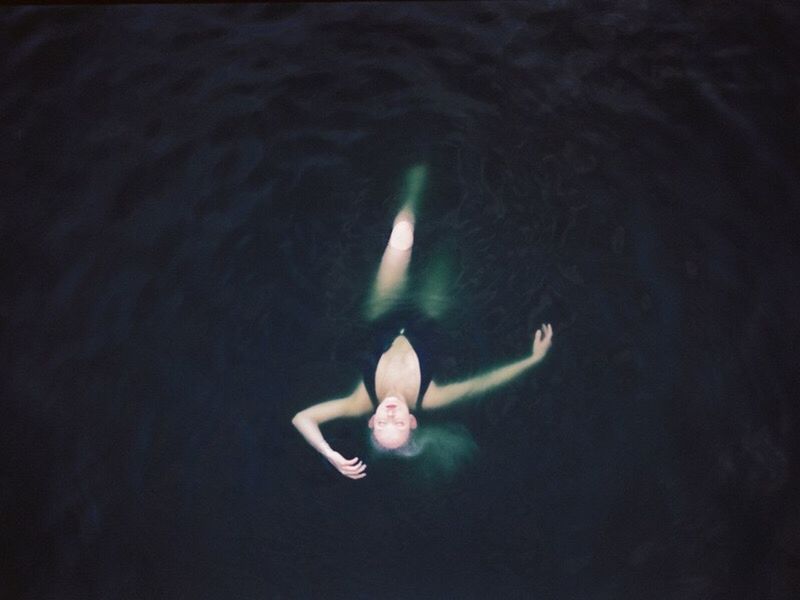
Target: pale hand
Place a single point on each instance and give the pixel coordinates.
(353, 468)
(542, 341)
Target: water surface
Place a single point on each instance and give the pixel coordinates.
(195, 200)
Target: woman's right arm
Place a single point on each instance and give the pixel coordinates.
(307, 422)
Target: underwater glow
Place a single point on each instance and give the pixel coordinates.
(436, 294)
(390, 282)
(415, 181)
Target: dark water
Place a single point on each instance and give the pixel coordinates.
(195, 200)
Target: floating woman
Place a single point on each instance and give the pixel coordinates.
(398, 381)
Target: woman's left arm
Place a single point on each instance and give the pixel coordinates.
(439, 396)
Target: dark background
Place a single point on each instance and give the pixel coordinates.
(194, 203)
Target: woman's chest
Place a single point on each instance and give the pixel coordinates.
(398, 371)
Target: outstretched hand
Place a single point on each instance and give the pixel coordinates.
(542, 341)
(353, 468)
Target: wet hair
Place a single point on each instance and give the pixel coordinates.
(407, 450)
(435, 452)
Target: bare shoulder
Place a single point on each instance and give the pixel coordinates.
(358, 403)
(432, 397)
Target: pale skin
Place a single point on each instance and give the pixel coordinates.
(398, 376)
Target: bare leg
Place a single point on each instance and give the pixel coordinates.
(392, 273)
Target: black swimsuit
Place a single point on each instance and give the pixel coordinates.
(420, 331)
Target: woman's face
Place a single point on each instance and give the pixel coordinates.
(392, 423)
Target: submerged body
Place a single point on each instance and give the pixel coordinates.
(397, 384)
(397, 379)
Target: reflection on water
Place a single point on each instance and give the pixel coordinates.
(197, 199)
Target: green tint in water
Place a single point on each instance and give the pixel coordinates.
(435, 295)
(444, 451)
(415, 181)
(437, 453)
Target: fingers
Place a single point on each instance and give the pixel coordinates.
(360, 474)
(355, 469)
(544, 333)
(352, 464)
